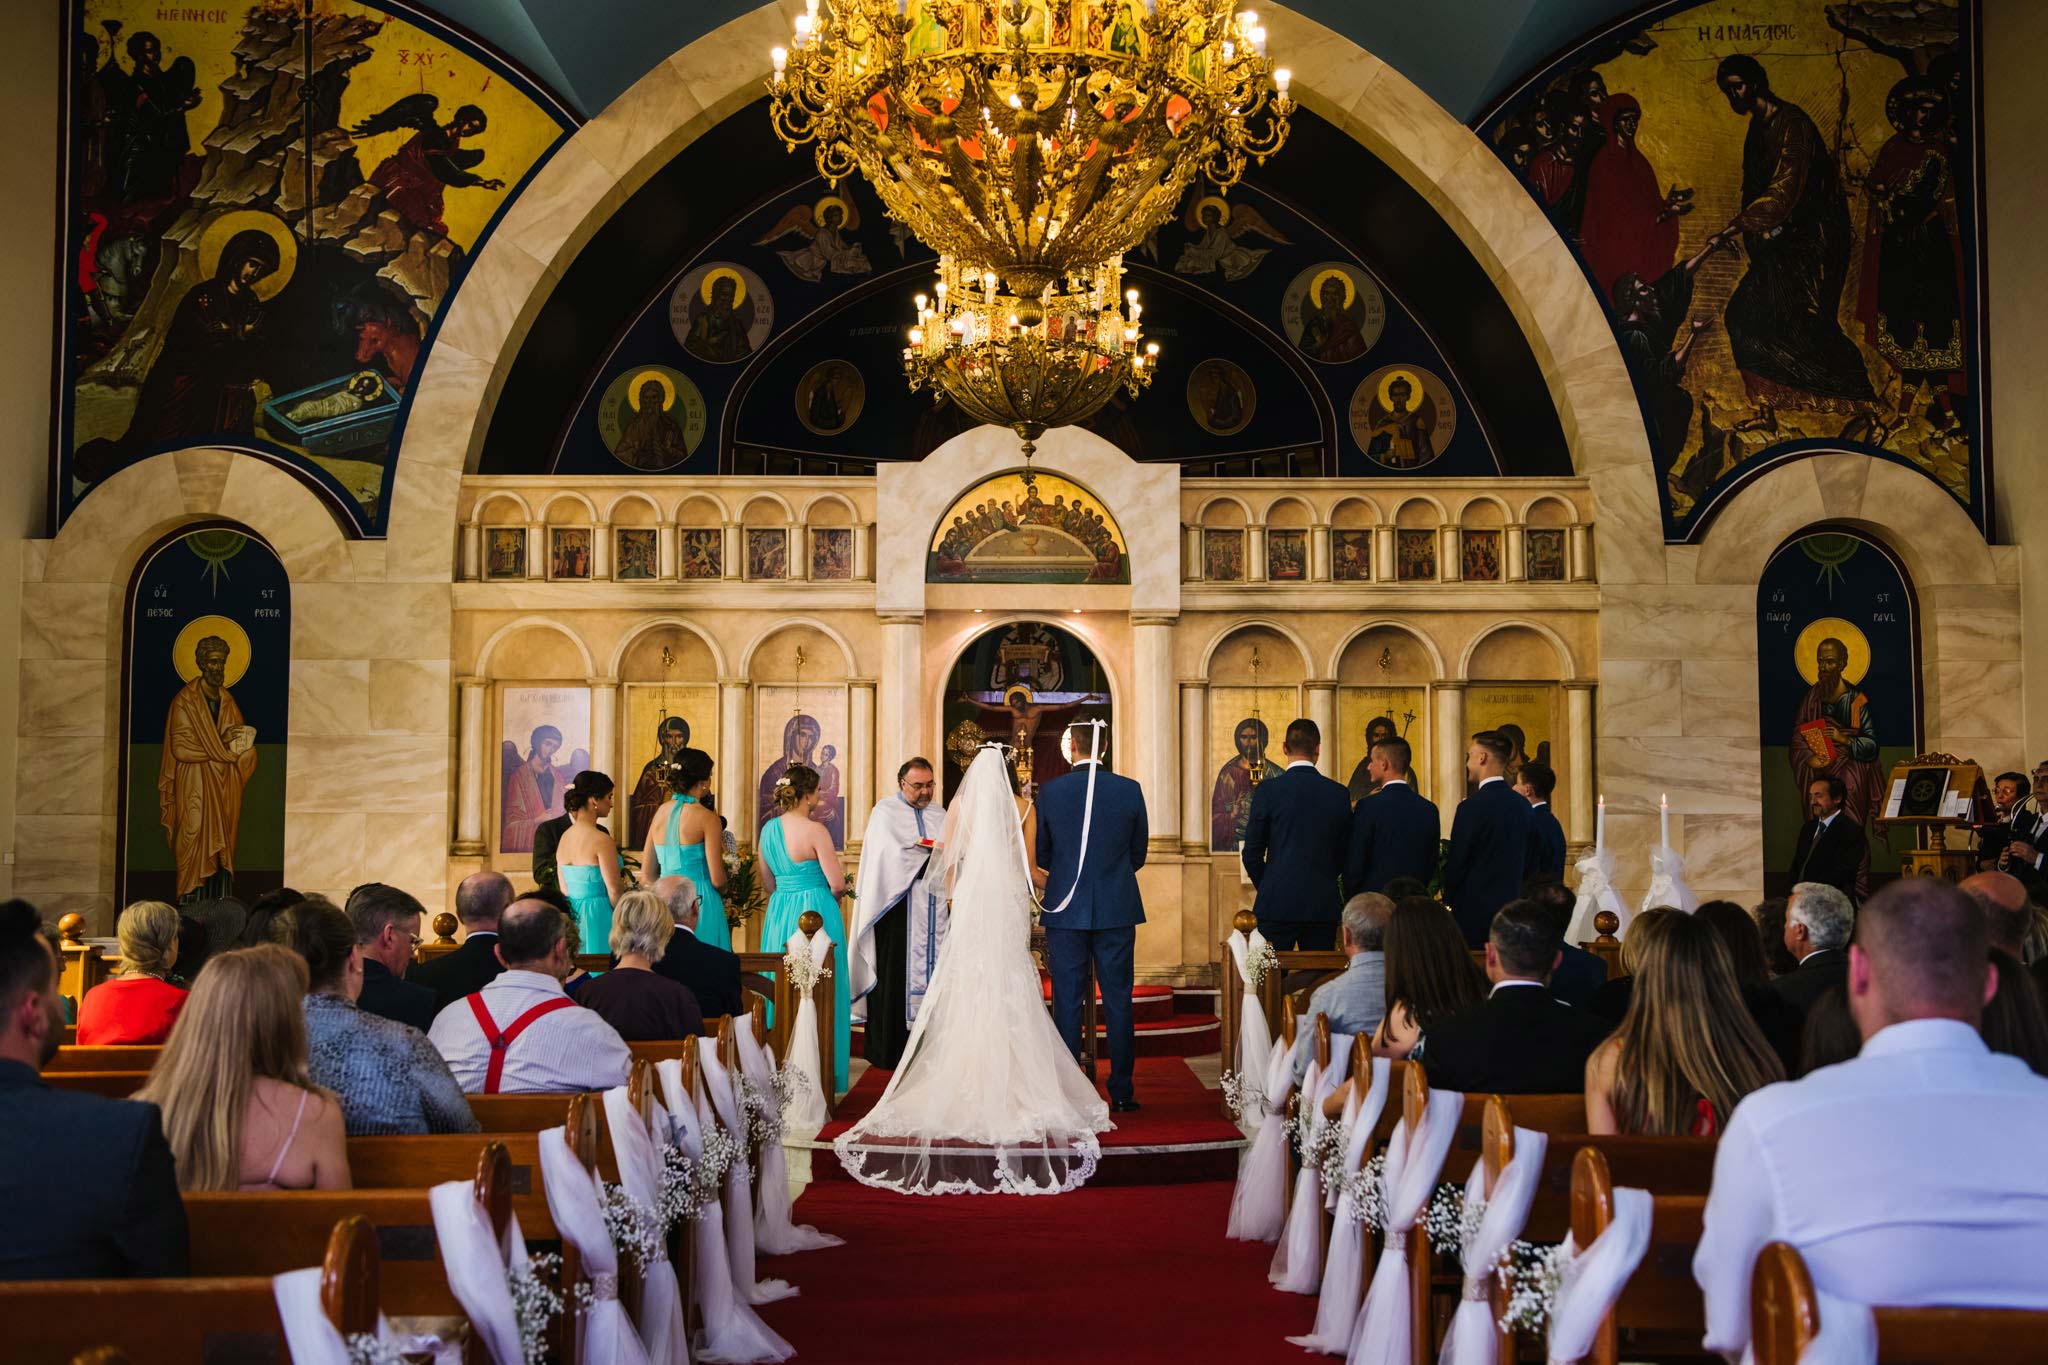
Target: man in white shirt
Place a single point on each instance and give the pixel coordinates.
(520, 1034)
(1909, 1175)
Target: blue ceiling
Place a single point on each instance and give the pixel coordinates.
(1464, 53)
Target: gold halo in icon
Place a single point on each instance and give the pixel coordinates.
(1806, 649)
(185, 651)
(739, 284)
(1315, 286)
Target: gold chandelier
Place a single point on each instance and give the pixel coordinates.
(1030, 143)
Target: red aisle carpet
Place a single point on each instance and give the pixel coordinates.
(1101, 1276)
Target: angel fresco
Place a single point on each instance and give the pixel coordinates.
(821, 225)
(1219, 230)
(433, 160)
(533, 786)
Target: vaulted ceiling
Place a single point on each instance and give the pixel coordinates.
(1464, 53)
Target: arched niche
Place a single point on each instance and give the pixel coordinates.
(1021, 682)
(1384, 675)
(1514, 684)
(1256, 674)
(668, 672)
(801, 714)
(1482, 541)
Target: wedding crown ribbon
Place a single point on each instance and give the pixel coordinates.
(1087, 810)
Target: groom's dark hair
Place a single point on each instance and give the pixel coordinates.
(1087, 739)
(1302, 736)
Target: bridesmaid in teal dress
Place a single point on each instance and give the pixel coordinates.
(591, 872)
(798, 853)
(680, 842)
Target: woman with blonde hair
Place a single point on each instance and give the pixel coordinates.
(240, 1111)
(1687, 1050)
(798, 852)
(1610, 1002)
(139, 1004)
(633, 998)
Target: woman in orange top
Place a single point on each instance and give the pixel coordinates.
(139, 1004)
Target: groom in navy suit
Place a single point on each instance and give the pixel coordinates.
(1098, 886)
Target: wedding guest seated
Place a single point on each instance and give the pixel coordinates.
(1430, 975)
(1828, 1034)
(2008, 913)
(139, 1003)
(574, 975)
(387, 922)
(1818, 922)
(1770, 927)
(266, 908)
(1610, 1002)
(240, 1108)
(479, 900)
(1902, 1176)
(386, 1075)
(1580, 974)
(1778, 1019)
(87, 1183)
(521, 1034)
(1687, 1050)
(1520, 1040)
(2014, 1023)
(1401, 888)
(711, 972)
(642, 1006)
(1355, 999)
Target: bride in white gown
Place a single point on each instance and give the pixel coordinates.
(987, 1099)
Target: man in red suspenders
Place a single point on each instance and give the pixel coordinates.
(520, 1034)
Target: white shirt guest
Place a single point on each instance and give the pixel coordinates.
(1904, 1176)
(521, 1034)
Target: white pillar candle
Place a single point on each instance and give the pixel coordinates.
(1664, 820)
(1600, 825)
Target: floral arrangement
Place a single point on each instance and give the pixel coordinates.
(535, 1302)
(805, 971)
(761, 1108)
(1257, 963)
(1243, 1096)
(1320, 1145)
(1534, 1275)
(721, 1152)
(367, 1348)
(636, 1229)
(1451, 1220)
(742, 893)
(1367, 1189)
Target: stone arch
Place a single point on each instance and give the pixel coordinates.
(849, 666)
(827, 501)
(1355, 513)
(487, 652)
(1430, 513)
(490, 501)
(1223, 633)
(1539, 511)
(1289, 506)
(718, 511)
(1478, 503)
(571, 497)
(1567, 665)
(775, 503)
(1225, 500)
(1080, 627)
(1364, 628)
(624, 500)
(643, 628)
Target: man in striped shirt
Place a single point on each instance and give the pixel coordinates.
(521, 1034)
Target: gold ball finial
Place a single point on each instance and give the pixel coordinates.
(71, 928)
(1605, 923)
(1244, 921)
(444, 927)
(809, 922)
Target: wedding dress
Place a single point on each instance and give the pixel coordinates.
(987, 1099)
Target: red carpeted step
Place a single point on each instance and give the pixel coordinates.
(1164, 1028)
(1147, 1002)
(1196, 1000)
(1180, 1134)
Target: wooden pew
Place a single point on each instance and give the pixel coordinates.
(1785, 1318)
(1660, 1311)
(105, 1058)
(195, 1321)
(114, 1085)
(783, 998)
(81, 964)
(1604, 945)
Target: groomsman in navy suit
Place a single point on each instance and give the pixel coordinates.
(1490, 838)
(1535, 783)
(1395, 831)
(1092, 906)
(1294, 847)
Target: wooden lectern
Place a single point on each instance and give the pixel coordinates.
(1935, 793)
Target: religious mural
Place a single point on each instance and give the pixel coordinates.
(504, 552)
(829, 397)
(1545, 549)
(831, 553)
(205, 305)
(1523, 712)
(1003, 530)
(1787, 250)
(700, 552)
(203, 754)
(721, 313)
(1402, 417)
(1365, 716)
(1286, 555)
(1221, 397)
(569, 552)
(1351, 556)
(1479, 556)
(1223, 556)
(806, 726)
(1333, 312)
(1243, 753)
(661, 721)
(1414, 556)
(767, 554)
(651, 417)
(1837, 685)
(1022, 684)
(544, 741)
(636, 554)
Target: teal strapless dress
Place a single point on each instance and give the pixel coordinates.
(800, 887)
(584, 886)
(687, 860)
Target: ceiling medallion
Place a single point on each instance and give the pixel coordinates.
(1030, 145)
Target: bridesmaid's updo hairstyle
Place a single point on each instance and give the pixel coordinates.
(588, 786)
(797, 783)
(685, 772)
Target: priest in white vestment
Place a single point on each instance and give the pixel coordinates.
(899, 918)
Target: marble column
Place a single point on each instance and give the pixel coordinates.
(536, 550)
(1322, 709)
(731, 564)
(1579, 551)
(1255, 555)
(604, 726)
(665, 552)
(735, 790)
(1383, 554)
(1194, 797)
(472, 551)
(1159, 756)
(1191, 571)
(864, 553)
(1516, 543)
(600, 555)
(469, 794)
(1319, 553)
(1578, 729)
(860, 765)
(1448, 781)
(1449, 562)
(899, 698)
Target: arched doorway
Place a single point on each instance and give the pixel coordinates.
(1022, 683)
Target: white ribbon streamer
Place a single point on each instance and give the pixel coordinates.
(1258, 1206)
(1594, 1278)
(1298, 1261)
(1337, 1305)
(1384, 1326)
(1473, 1338)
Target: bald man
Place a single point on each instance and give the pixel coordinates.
(1901, 1175)
(2007, 913)
(479, 901)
